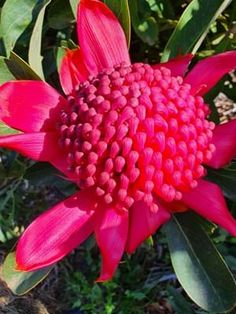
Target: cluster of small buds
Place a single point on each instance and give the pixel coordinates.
(134, 132)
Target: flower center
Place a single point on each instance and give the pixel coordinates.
(134, 132)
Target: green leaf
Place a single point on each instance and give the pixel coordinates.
(60, 14)
(16, 16)
(121, 10)
(225, 178)
(74, 5)
(20, 69)
(145, 25)
(164, 8)
(193, 26)
(35, 58)
(198, 265)
(5, 73)
(59, 56)
(178, 302)
(21, 282)
(6, 130)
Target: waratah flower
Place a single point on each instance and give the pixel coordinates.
(134, 137)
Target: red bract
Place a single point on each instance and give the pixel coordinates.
(133, 137)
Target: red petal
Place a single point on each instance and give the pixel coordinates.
(178, 65)
(143, 223)
(72, 70)
(101, 37)
(30, 106)
(111, 234)
(56, 232)
(208, 201)
(37, 146)
(224, 139)
(209, 71)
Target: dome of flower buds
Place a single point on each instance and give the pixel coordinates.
(134, 132)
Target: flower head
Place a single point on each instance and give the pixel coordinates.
(133, 137)
(133, 130)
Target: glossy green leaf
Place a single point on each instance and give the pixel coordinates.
(60, 14)
(5, 73)
(20, 69)
(18, 281)
(198, 265)
(121, 10)
(6, 130)
(16, 16)
(143, 21)
(74, 5)
(35, 58)
(193, 26)
(15, 68)
(225, 178)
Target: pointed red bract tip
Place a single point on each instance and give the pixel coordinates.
(208, 201)
(37, 146)
(207, 72)
(72, 70)
(41, 105)
(104, 44)
(56, 232)
(178, 66)
(111, 234)
(104, 278)
(144, 223)
(224, 139)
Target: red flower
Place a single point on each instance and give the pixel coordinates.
(133, 137)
